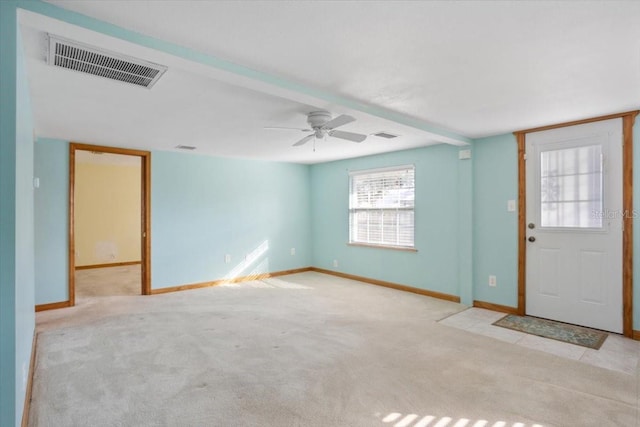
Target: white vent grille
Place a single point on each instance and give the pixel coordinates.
(99, 62)
(386, 135)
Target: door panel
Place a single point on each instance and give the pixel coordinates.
(592, 277)
(548, 267)
(574, 212)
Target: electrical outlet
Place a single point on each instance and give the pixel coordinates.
(293, 251)
(335, 262)
(493, 282)
(227, 259)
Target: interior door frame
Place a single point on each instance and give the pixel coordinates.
(145, 217)
(628, 119)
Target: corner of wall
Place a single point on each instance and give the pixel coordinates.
(17, 318)
(495, 229)
(465, 224)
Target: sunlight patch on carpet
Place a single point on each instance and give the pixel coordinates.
(564, 332)
(407, 420)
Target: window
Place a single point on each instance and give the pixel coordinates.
(571, 187)
(381, 207)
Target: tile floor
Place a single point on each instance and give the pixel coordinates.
(617, 353)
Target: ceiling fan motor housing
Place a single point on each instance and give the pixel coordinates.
(317, 119)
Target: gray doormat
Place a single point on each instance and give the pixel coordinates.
(564, 332)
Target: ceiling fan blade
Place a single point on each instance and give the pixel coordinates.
(338, 121)
(304, 140)
(350, 136)
(284, 128)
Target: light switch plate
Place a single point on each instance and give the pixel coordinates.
(511, 205)
(464, 154)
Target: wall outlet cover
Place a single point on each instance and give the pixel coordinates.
(493, 281)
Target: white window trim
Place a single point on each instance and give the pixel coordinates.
(354, 173)
(379, 170)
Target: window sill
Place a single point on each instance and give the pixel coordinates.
(394, 248)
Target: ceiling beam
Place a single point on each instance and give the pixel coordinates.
(239, 75)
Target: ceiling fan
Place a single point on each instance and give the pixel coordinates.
(323, 125)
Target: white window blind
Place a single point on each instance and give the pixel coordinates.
(381, 206)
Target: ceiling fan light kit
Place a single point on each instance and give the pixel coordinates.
(322, 125)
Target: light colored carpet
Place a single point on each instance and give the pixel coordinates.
(108, 281)
(304, 350)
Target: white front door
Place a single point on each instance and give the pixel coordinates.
(574, 224)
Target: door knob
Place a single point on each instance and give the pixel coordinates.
(532, 239)
(531, 225)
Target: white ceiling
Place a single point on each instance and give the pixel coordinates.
(410, 68)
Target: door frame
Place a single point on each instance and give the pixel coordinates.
(628, 119)
(145, 217)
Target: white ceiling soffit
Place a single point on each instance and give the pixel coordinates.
(190, 105)
(276, 84)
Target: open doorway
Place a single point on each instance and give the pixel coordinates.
(109, 222)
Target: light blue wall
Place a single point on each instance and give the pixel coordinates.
(51, 216)
(8, 117)
(202, 208)
(25, 263)
(435, 265)
(205, 207)
(17, 317)
(495, 230)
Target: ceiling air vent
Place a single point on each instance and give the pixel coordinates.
(386, 135)
(185, 147)
(99, 62)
